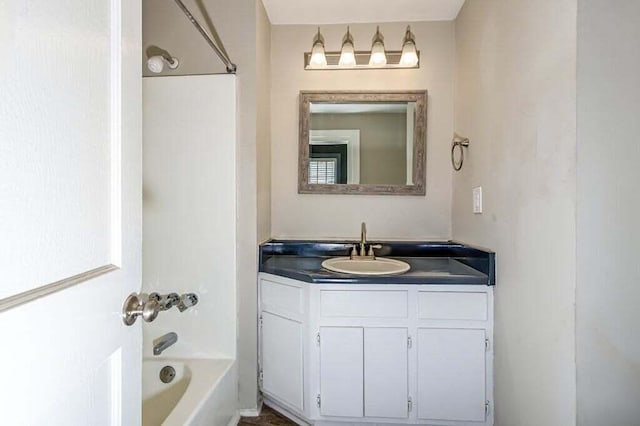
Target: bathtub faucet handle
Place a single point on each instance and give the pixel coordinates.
(138, 305)
(166, 301)
(187, 300)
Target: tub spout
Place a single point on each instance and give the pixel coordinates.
(163, 342)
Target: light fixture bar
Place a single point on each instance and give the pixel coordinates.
(362, 61)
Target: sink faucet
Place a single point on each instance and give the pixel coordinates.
(163, 342)
(363, 239)
(370, 255)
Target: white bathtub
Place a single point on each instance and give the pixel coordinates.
(202, 392)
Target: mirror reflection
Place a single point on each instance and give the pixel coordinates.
(365, 143)
(361, 143)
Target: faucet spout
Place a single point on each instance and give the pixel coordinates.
(163, 342)
(363, 239)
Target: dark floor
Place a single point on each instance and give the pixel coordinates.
(268, 416)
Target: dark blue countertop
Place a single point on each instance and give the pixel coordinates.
(431, 262)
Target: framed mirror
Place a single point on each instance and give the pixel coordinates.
(370, 143)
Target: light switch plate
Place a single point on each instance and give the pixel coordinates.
(477, 200)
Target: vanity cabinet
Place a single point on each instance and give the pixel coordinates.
(451, 374)
(363, 372)
(282, 335)
(341, 371)
(377, 353)
(386, 372)
(282, 358)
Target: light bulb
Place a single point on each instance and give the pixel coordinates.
(347, 56)
(347, 53)
(318, 58)
(409, 56)
(378, 56)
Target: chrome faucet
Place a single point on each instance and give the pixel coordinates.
(163, 342)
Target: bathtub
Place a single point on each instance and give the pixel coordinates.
(203, 392)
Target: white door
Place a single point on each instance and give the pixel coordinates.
(451, 374)
(282, 359)
(341, 371)
(386, 387)
(70, 211)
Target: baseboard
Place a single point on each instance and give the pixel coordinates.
(234, 420)
(251, 412)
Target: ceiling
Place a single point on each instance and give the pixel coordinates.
(318, 12)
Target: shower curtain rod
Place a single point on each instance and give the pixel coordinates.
(221, 52)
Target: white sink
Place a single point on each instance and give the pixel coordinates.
(377, 266)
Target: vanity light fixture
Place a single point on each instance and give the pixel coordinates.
(318, 58)
(347, 53)
(409, 56)
(350, 59)
(378, 57)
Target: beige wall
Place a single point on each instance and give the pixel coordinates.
(263, 131)
(258, 174)
(515, 100)
(383, 143)
(241, 25)
(323, 216)
(608, 316)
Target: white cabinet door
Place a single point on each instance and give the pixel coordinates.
(385, 372)
(282, 359)
(341, 371)
(451, 374)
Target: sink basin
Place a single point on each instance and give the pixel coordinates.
(377, 266)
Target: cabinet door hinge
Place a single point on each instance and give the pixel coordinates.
(486, 409)
(261, 377)
(486, 344)
(318, 338)
(410, 405)
(409, 342)
(318, 400)
(260, 320)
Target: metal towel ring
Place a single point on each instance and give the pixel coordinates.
(458, 141)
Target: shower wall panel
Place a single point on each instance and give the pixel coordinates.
(189, 231)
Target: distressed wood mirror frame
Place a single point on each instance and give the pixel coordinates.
(419, 141)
